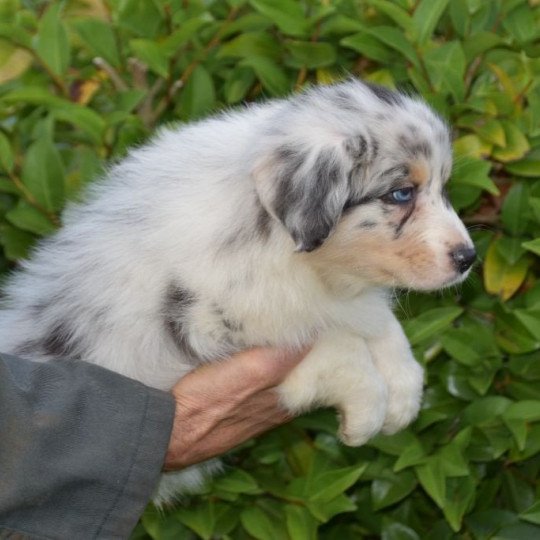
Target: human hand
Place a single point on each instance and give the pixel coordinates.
(221, 405)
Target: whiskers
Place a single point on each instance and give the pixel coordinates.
(401, 298)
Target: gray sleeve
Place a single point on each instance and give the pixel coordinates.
(81, 449)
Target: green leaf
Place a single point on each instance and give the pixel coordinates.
(158, 528)
(369, 46)
(398, 531)
(14, 61)
(530, 320)
(518, 428)
(250, 44)
(446, 67)
(431, 476)
(51, 41)
(430, 323)
(516, 145)
(143, 17)
(395, 39)
(33, 95)
(485, 410)
(510, 249)
(520, 23)
(390, 489)
(492, 131)
(393, 444)
(526, 168)
(198, 97)
(258, 524)
(300, 523)
(152, 55)
(519, 531)
(533, 245)
(413, 454)
(470, 343)
(460, 494)
(512, 336)
(30, 219)
(396, 13)
(43, 174)
(330, 484)
(7, 159)
(188, 29)
(16, 35)
(7, 186)
(529, 411)
(99, 37)
(500, 277)
(226, 519)
(471, 171)
(325, 510)
(271, 75)
(84, 118)
(478, 43)
(340, 25)
(532, 514)
(238, 84)
(200, 518)
(237, 481)
(484, 524)
(311, 55)
(515, 209)
(426, 16)
(452, 455)
(287, 15)
(468, 146)
(16, 243)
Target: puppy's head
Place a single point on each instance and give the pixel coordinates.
(356, 174)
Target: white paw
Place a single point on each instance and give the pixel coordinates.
(359, 424)
(339, 372)
(402, 374)
(404, 396)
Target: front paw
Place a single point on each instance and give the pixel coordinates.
(403, 376)
(344, 379)
(405, 385)
(362, 419)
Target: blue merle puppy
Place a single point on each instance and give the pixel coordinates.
(279, 224)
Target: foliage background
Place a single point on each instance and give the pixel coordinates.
(81, 81)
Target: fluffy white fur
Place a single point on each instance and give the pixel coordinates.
(270, 225)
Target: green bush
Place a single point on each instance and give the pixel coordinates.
(82, 81)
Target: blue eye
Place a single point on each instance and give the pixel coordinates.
(401, 196)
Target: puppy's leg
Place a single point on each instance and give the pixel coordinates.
(339, 372)
(403, 375)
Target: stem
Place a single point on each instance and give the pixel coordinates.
(117, 81)
(210, 45)
(167, 99)
(301, 79)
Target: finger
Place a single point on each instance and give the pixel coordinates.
(268, 367)
(239, 376)
(262, 407)
(263, 414)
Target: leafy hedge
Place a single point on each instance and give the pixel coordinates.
(84, 80)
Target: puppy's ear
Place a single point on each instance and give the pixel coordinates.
(305, 190)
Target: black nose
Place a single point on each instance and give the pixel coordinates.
(463, 257)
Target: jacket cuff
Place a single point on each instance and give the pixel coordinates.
(144, 473)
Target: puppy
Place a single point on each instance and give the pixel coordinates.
(280, 224)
